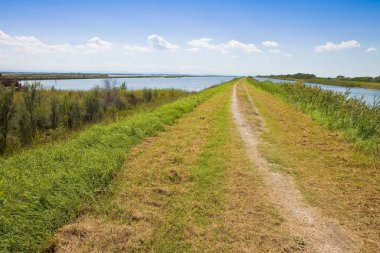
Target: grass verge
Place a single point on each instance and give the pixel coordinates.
(331, 173)
(355, 120)
(42, 189)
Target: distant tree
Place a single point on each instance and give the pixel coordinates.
(340, 77)
(7, 111)
(93, 106)
(54, 112)
(72, 112)
(132, 99)
(110, 92)
(28, 114)
(148, 95)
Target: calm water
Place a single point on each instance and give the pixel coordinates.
(368, 95)
(184, 83)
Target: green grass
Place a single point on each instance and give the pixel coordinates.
(330, 172)
(38, 115)
(42, 189)
(346, 82)
(206, 194)
(356, 121)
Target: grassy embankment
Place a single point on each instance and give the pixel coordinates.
(331, 81)
(332, 173)
(353, 119)
(345, 83)
(37, 115)
(44, 188)
(191, 188)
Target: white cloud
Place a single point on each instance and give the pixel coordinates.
(31, 44)
(193, 49)
(275, 51)
(202, 43)
(96, 44)
(160, 43)
(371, 49)
(249, 48)
(205, 43)
(329, 46)
(137, 48)
(288, 55)
(270, 43)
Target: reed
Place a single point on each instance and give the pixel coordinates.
(38, 115)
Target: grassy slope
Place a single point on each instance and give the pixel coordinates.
(42, 189)
(63, 134)
(179, 193)
(353, 119)
(338, 82)
(331, 173)
(358, 84)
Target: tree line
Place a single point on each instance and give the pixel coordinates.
(304, 76)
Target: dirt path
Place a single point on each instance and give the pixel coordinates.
(190, 188)
(320, 234)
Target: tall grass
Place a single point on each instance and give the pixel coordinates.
(358, 122)
(44, 188)
(36, 115)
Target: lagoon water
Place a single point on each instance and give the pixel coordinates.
(369, 96)
(197, 83)
(185, 83)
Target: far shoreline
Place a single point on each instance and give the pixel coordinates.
(63, 76)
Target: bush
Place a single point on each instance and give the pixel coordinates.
(36, 111)
(148, 95)
(7, 110)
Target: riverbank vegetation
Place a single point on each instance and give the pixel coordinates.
(360, 82)
(44, 188)
(331, 173)
(37, 115)
(358, 122)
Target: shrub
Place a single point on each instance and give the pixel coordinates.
(38, 111)
(7, 110)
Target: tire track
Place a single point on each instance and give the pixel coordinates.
(320, 233)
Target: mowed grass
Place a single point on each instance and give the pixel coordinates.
(191, 188)
(44, 188)
(355, 120)
(331, 173)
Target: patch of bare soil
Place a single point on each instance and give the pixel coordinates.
(321, 234)
(252, 222)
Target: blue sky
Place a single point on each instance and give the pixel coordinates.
(197, 37)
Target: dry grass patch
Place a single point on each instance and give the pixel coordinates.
(188, 189)
(250, 219)
(331, 173)
(156, 174)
